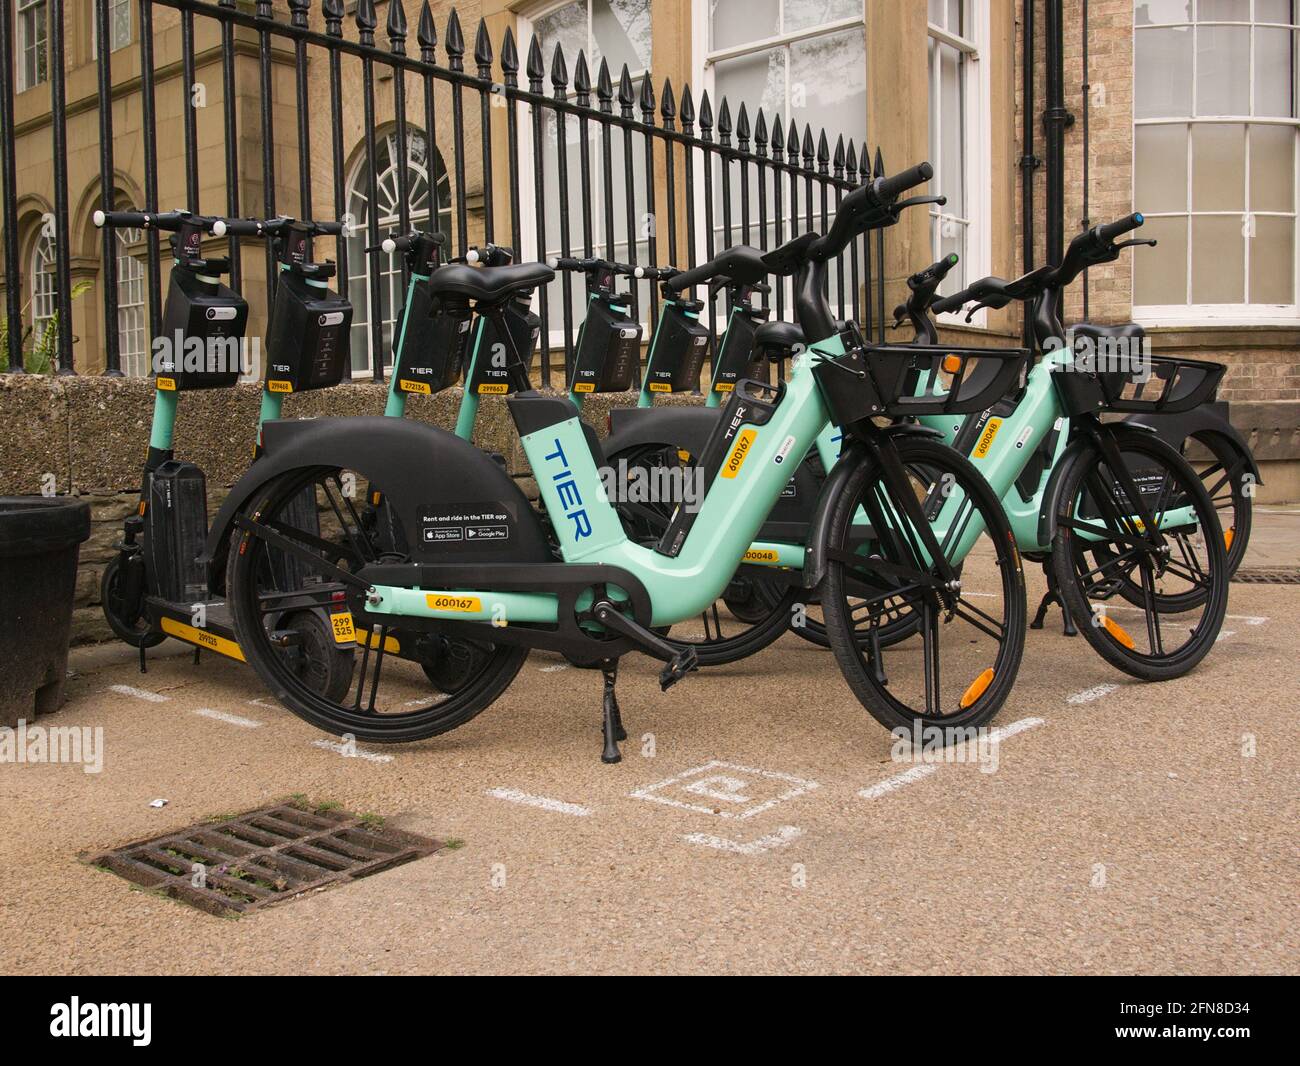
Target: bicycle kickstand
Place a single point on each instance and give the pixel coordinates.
(1051, 596)
(612, 729)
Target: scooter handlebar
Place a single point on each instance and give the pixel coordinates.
(893, 186)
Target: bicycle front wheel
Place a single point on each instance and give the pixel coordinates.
(1150, 600)
(972, 631)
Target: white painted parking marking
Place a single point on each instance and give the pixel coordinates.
(892, 784)
(781, 838)
(544, 803)
(229, 719)
(350, 751)
(727, 788)
(1249, 619)
(1003, 731)
(1225, 634)
(1090, 694)
(924, 770)
(139, 693)
(264, 701)
(553, 668)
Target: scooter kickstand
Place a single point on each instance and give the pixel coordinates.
(611, 721)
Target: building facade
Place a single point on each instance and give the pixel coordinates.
(1183, 109)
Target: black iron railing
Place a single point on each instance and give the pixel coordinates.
(686, 180)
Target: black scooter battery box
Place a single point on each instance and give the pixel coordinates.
(431, 350)
(680, 342)
(493, 354)
(737, 355)
(609, 349)
(309, 342)
(202, 338)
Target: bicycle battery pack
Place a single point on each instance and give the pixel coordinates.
(680, 342)
(308, 345)
(176, 527)
(490, 375)
(609, 348)
(203, 327)
(431, 350)
(749, 407)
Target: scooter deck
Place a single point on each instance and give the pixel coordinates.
(217, 633)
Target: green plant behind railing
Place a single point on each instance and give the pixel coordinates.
(40, 359)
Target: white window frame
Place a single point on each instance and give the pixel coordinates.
(1242, 314)
(704, 60)
(977, 262)
(21, 9)
(115, 44)
(45, 284)
(525, 15)
(132, 346)
(388, 226)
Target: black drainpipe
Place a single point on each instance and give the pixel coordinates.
(1087, 89)
(1028, 161)
(1055, 121)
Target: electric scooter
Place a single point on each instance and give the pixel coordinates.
(157, 586)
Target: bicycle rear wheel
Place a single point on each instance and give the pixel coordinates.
(1151, 603)
(972, 634)
(389, 699)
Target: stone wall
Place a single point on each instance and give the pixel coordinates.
(88, 437)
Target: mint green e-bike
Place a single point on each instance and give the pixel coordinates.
(478, 561)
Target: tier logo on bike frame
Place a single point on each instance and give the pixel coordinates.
(479, 523)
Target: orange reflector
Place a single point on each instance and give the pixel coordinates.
(1117, 631)
(977, 688)
(951, 364)
(1227, 539)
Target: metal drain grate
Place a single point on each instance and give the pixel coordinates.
(235, 865)
(1274, 576)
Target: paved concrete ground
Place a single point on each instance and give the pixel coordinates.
(1127, 828)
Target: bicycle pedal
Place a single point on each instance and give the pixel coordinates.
(681, 664)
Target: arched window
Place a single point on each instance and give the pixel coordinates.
(44, 286)
(132, 349)
(421, 173)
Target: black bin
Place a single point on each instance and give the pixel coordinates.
(40, 538)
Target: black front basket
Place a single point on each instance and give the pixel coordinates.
(899, 380)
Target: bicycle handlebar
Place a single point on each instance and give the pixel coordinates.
(586, 266)
(892, 187)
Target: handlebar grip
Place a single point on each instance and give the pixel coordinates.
(955, 302)
(1111, 230)
(687, 279)
(120, 218)
(893, 186)
(329, 229)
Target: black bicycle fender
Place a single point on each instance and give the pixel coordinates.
(814, 560)
(1076, 451)
(1174, 429)
(437, 484)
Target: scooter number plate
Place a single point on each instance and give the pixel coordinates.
(344, 633)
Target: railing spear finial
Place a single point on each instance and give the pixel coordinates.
(454, 45)
(427, 34)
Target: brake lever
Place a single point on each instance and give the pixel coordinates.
(1148, 241)
(915, 201)
(978, 307)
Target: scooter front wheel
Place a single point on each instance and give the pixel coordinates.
(134, 631)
